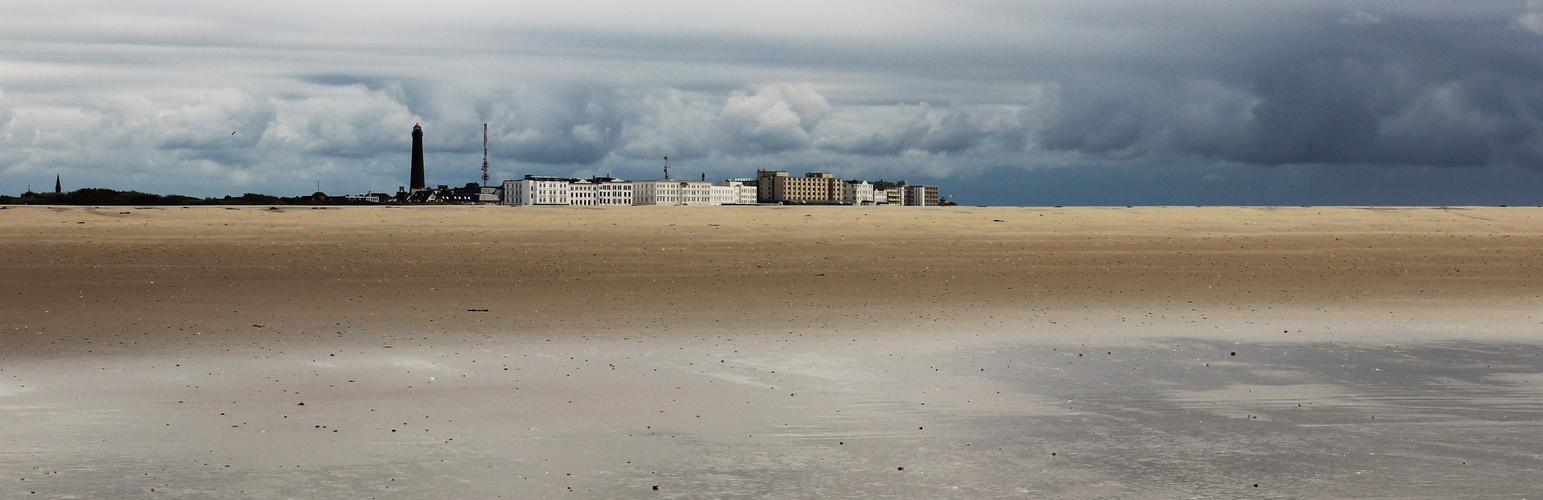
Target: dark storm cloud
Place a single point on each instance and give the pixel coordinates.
(1360, 88)
(329, 90)
(919, 128)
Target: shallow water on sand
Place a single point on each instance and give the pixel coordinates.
(1209, 419)
(1177, 418)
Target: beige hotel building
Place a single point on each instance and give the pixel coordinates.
(774, 186)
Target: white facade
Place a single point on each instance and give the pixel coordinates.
(510, 188)
(724, 195)
(696, 193)
(369, 197)
(857, 193)
(732, 193)
(534, 190)
(606, 191)
(613, 192)
(656, 192)
(513, 193)
(582, 193)
(546, 192)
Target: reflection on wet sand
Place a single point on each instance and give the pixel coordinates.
(1174, 418)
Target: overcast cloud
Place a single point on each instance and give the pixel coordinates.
(213, 98)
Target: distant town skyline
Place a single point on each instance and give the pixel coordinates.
(1003, 103)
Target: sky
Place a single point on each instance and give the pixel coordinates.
(1016, 102)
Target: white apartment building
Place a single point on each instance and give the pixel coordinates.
(666, 192)
(857, 193)
(612, 191)
(732, 193)
(583, 193)
(724, 195)
(880, 196)
(536, 190)
(696, 193)
(511, 190)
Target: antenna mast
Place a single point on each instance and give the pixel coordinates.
(484, 154)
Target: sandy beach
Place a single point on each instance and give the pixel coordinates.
(787, 352)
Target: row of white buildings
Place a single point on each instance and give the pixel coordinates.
(541, 190)
(768, 187)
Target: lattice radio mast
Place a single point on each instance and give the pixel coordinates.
(484, 154)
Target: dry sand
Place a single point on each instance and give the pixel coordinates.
(721, 352)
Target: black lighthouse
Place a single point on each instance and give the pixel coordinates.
(417, 180)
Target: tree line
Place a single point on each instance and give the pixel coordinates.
(102, 196)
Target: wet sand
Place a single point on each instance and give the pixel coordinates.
(782, 352)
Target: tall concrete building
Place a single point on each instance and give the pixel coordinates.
(417, 174)
(921, 196)
(776, 186)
